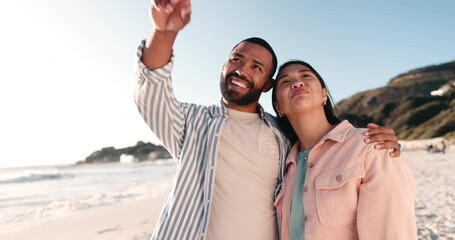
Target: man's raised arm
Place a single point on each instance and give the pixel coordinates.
(168, 18)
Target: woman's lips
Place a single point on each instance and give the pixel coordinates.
(299, 92)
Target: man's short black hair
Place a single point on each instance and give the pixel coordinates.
(266, 45)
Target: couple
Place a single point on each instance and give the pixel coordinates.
(231, 157)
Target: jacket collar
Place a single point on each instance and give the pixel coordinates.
(337, 134)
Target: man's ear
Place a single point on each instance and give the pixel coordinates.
(268, 85)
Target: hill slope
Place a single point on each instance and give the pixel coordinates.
(418, 104)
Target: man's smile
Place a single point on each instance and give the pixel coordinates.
(239, 83)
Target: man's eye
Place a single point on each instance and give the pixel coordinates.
(235, 60)
(257, 67)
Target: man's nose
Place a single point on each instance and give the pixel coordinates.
(240, 69)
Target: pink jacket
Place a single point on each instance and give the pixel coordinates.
(352, 191)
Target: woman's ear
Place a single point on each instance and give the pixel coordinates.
(325, 96)
(277, 109)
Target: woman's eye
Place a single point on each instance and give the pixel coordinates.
(284, 82)
(235, 60)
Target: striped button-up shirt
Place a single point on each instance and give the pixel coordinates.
(191, 134)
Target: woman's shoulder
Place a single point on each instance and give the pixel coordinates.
(347, 133)
(353, 138)
(356, 137)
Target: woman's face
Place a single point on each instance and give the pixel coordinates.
(297, 89)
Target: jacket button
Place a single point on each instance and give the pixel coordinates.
(307, 218)
(305, 188)
(339, 178)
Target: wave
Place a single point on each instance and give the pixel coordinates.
(63, 207)
(31, 175)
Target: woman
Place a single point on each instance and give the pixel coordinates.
(336, 186)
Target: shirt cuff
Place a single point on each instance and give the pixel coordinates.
(158, 74)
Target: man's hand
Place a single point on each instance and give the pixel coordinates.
(384, 138)
(170, 15)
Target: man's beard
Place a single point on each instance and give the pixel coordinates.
(235, 97)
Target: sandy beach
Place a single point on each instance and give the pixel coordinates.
(135, 219)
(435, 193)
(132, 220)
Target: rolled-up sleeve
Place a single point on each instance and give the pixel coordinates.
(157, 104)
(386, 199)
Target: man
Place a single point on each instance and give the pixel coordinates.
(229, 156)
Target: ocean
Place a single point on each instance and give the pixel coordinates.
(31, 195)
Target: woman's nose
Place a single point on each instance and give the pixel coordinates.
(297, 84)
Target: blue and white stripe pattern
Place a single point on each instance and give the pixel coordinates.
(191, 134)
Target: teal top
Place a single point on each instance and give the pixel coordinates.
(297, 222)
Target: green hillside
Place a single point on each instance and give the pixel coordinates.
(418, 104)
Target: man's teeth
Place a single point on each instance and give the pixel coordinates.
(239, 84)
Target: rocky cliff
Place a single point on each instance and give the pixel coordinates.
(138, 153)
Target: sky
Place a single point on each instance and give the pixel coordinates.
(66, 75)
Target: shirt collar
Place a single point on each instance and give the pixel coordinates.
(260, 110)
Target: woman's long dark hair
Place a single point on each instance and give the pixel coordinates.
(328, 108)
